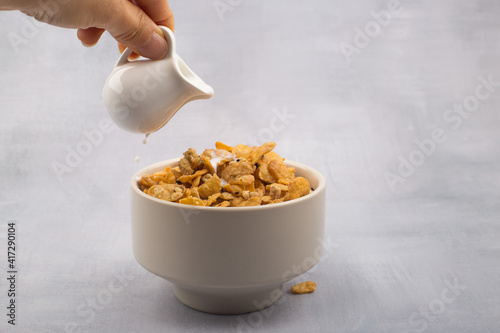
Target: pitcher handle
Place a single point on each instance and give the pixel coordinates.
(169, 36)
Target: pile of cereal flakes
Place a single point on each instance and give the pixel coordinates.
(227, 176)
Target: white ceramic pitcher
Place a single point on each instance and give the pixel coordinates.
(142, 96)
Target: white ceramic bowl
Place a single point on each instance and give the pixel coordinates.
(228, 260)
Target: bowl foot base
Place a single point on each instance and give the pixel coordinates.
(228, 300)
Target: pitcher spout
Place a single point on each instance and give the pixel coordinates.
(204, 91)
(201, 90)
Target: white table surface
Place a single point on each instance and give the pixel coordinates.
(420, 255)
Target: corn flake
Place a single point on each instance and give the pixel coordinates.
(189, 163)
(275, 191)
(297, 188)
(283, 187)
(147, 182)
(259, 152)
(242, 151)
(254, 201)
(223, 204)
(281, 172)
(220, 145)
(239, 176)
(236, 169)
(271, 156)
(189, 178)
(211, 186)
(168, 192)
(193, 201)
(304, 287)
(264, 175)
(211, 199)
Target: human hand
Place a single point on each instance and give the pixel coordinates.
(133, 23)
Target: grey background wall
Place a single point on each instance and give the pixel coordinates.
(396, 114)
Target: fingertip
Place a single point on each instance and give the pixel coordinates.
(134, 56)
(80, 34)
(90, 36)
(121, 47)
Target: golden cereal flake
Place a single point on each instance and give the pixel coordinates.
(193, 201)
(280, 172)
(237, 201)
(164, 176)
(304, 287)
(205, 157)
(223, 204)
(220, 145)
(259, 152)
(254, 201)
(189, 178)
(177, 172)
(271, 156)
(275, 201)
(283, 187)
(242, 151)
(194, 192)
(196, 181)
(274, 191)
(237, 169)
(297, 188)
(210, 187)
(189, 163)
(266, 199)
(259, 187)
(213, 198)
(227, 196)
(244, 180)
(167, 192)
(213, 158)
(147, 182)
(237, 190)
(264, 175)
(254, 194)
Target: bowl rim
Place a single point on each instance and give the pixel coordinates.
(163, 164)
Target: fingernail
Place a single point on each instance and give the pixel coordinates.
(155, 47)
(159, 31)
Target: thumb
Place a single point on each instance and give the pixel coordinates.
(133, 28)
